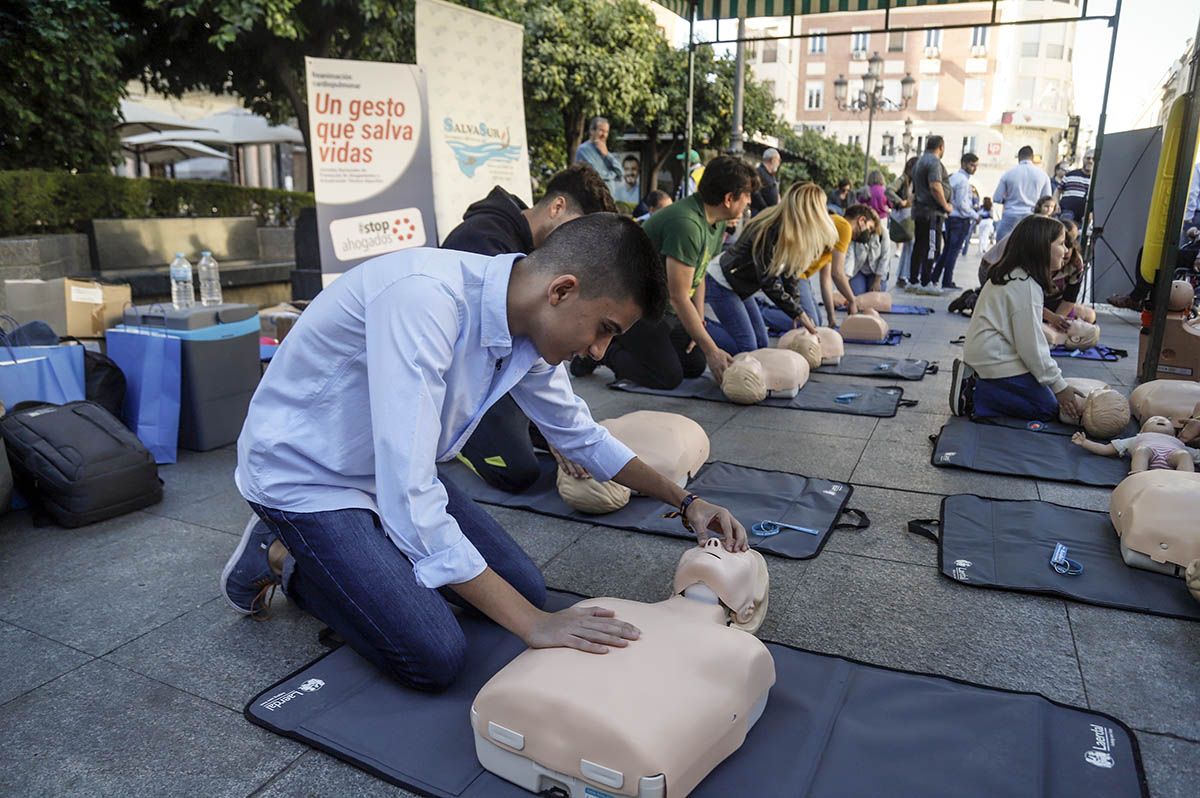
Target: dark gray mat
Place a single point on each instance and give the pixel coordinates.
(1050, 427)
(887, 368)
(1007, 545)
(821, 397)
(993, 449)
(751, 494)
(832, 727)
(893, 338)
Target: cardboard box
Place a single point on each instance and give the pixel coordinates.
(1179, 358)
(82, 308)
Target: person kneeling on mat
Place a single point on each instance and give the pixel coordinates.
(500, 450)
(769, 256)
(383, 377)
(1006, 368)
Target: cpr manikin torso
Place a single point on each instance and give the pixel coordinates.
(868, 300)
(764, 373)
(865, 326)
(1079, 335)
(672, 444)
(1175, 399)
(1155, 513)
(651, 719)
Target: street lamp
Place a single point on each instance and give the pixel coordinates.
(871, 99)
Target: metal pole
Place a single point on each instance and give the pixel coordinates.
(736, 145)
(1183, 171)
(691, 100)
(1085, 232)
(870, 125)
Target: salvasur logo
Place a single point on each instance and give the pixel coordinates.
(1103, 742)
(279, 699)
(960, 570)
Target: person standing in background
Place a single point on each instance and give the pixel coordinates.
(594, 152)
(768, 191)
(958, 223)
(1019, 190)
(931, 204)
(877, 197)
(1072, 193)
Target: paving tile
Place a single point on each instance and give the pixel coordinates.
(32, 660)
(631, 565)
(225, 510)
(1082, 496)
(196, 476)
(103, 730)
(910, 617)
(773, 418)
(317, 775)
(901, 459)
(709, 415)
(806, 453)
(1141, 668)
(541, 536)
(888, 537)
(1172, 765)
(97, 587)
(217, 654)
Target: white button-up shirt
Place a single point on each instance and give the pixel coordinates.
(387, 373)
(1021, 187)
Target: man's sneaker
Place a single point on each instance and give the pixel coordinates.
(912, 288)
(901, 282)
(583, 366)
(247, 581)
(929, 290)
(952, 287)
(962, 386)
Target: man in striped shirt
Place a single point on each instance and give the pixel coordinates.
(1072, 196)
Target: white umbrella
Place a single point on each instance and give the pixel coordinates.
(172, 151)
(239, 126)
(138, 119)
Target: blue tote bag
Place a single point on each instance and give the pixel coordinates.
(151, 363)
(40, 373)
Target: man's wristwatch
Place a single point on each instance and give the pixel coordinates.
(683, 508)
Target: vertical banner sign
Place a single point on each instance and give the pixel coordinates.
(476, 108)
(370, 156)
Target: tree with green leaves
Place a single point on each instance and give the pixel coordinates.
(60, 84)
(823, 159)
(256, 48)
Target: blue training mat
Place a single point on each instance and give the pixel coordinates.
(1105, 353)
(832, 727)
(904, 310)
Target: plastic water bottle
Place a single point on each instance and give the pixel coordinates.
(183, 295)
(210, 279)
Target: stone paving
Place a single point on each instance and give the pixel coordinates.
(125, 673)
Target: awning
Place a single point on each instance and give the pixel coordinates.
(732, 9)
(138, 119)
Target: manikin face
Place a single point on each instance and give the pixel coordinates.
(570, 324)
(1159, 424)
(734, 576)
(632, 173)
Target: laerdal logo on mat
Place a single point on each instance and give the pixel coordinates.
(312, 685)
(279, 699)
(947, 456)
(960, 570)
(833, 490)
(1100, 755)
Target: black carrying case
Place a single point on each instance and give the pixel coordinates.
(77, 463)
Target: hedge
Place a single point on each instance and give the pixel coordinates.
(36, 202)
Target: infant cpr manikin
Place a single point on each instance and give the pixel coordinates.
(1155, 513)
(754, 376)
(1175, 399)
(803, 343)
(672, 444)
(865, 326)
(651, 719)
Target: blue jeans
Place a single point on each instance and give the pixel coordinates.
(1020, 397)
(861, 283)
(740, 319)
(958, 230)
(347, 572)
(808, 302)
(1007, 222)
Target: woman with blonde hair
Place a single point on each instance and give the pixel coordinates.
(770, 256)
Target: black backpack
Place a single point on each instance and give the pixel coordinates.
(103, 380)
(964, 303)
(77, 463)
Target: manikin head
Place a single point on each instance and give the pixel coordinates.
(738, 579)
(1159, 424)
(1082, 335)
(575, 191)
(805, 344)
(1182, 296)
(1105, 413)
(725, 187)
(592, 279)
(745, 380)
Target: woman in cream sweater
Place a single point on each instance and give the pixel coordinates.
(1015, 375)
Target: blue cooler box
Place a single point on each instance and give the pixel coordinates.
(219, 363)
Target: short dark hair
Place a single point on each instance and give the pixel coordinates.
(1025, 152)
(726, 175)
(844, 183)
(933, 142)
(655, 197)
(583, 189)
(631, 157)
(612, 256)
(969, 157)
(1044, 201)
(1029, 249)
(857, 210)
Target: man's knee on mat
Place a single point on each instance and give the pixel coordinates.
(432, 667)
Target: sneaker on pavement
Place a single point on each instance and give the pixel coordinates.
(247, 581)
(962, 386)
(912, 288)
(952, 287)
(929, 290)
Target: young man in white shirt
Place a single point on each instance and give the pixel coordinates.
(385, 375)
(958, 223)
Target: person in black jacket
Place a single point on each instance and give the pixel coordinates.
(500, 450)
(771, 256)
(768, 190)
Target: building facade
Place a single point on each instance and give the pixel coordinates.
(985, 90)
